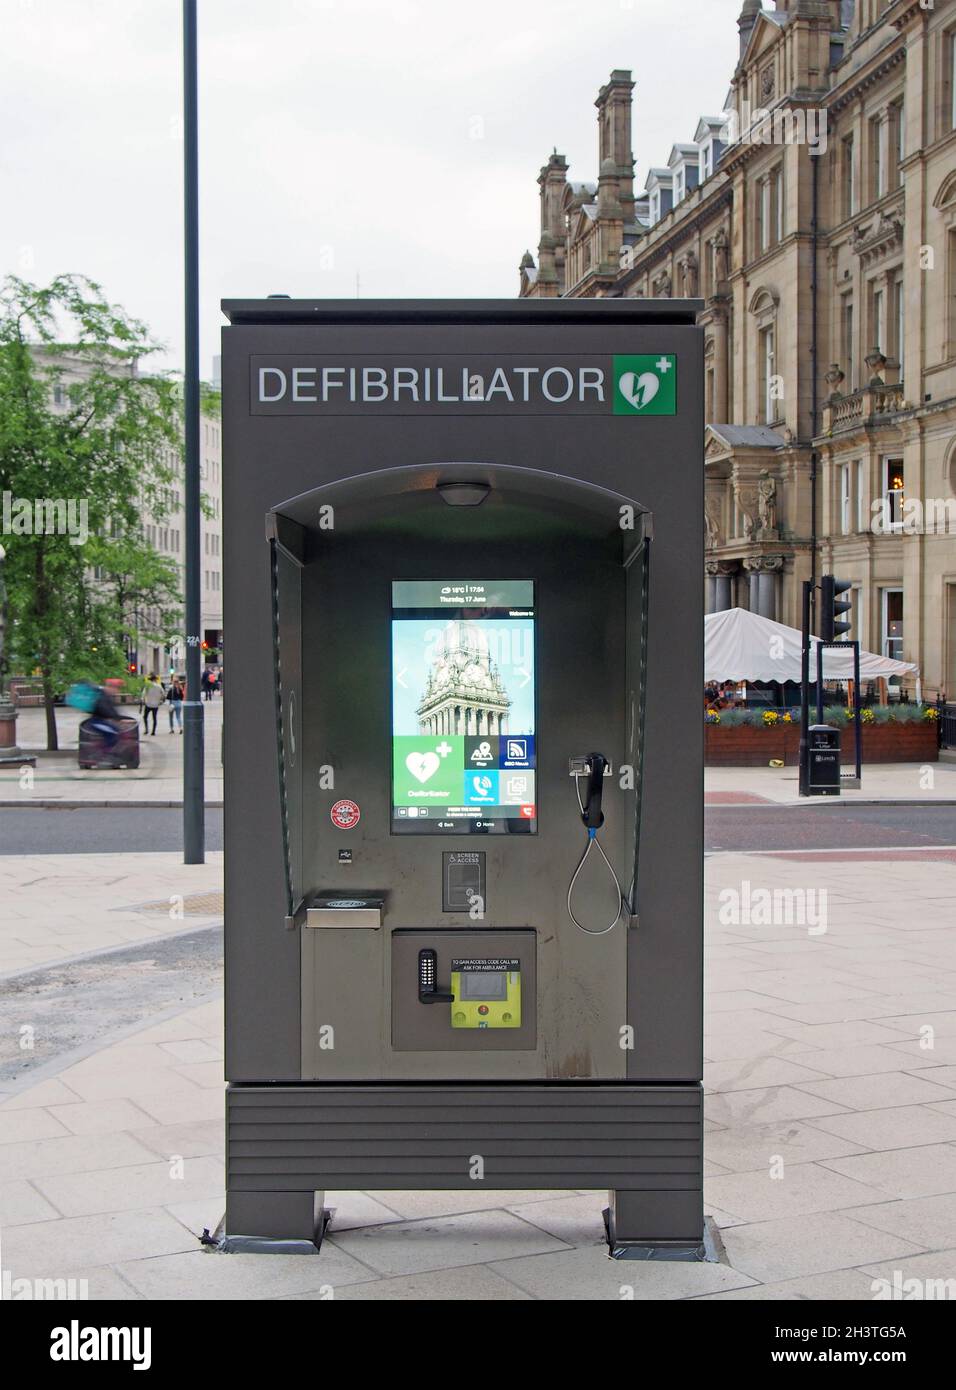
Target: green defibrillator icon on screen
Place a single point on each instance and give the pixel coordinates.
(486, 993)
(645, 384)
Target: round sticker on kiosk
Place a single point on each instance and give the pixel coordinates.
(345, 815)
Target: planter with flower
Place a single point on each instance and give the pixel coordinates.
(754, 738)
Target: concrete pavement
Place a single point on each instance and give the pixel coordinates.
(58, 780)
(919, 782)
(54, 907)
(831, 1105)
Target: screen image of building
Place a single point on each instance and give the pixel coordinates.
(464, 693)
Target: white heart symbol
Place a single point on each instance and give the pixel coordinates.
(639, 391)
(423, 765)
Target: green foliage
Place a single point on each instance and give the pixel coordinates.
(733, 718)
(833, 714)
(80, 421)
(898, 714)
(210, 400)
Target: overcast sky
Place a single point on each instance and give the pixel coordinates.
(397, 141)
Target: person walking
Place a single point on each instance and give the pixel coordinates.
(174, 701)
(153, 697)
(206, 684)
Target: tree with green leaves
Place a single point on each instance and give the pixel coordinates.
(88, 443)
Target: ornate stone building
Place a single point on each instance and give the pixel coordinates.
(464, 693)
(816, 218)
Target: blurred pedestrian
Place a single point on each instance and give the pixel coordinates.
(152, 697)
(174, 701)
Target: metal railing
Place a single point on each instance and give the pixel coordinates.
(947, 724)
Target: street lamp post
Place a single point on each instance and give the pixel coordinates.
(193, 771)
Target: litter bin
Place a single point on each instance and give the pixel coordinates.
(125, 751)
(824, 760)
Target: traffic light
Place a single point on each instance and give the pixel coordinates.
(832, 607)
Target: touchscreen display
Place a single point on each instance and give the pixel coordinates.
(463, 706)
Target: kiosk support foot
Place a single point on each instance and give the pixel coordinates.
(657, 1226)
(274, 1223)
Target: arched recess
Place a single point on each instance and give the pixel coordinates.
(764, 302)
(439, 520)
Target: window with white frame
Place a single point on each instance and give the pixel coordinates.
(767, 374)
(878, 319)
(765, 214)
(705, 160)
(878, 156)
(893, 494)
(846, 335)
(679, 185)
(862, 497)
(899, 317)
(849, 178)
(900, 135)
(891, 623)
(951, 292)
(844, 483)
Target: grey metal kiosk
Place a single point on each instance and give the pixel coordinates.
(463, 756)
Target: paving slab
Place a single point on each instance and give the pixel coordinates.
(926, 1171)
(207, 1274)
(746, 1148)
(411, 1247)
(58, 1248)
(134, 1186)
(590, 1274)
(771, 1251)
(469, 1284)
(577, 1220)
(927, 1221)
(842, 1285)
(899, 1127)
(22, 1203)
(790, 1189)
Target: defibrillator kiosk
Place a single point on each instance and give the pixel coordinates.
(463, 756)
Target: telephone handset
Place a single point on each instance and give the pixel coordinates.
(595, 767)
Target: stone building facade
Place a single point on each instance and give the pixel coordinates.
(815, 216)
